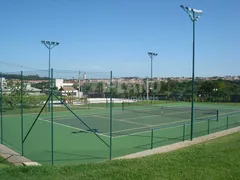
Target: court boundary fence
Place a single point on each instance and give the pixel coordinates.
(207, 131)
(49, 103)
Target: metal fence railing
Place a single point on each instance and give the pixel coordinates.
(77, 117)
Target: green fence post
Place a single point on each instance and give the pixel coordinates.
(217, 115)
(227, 122)
(1, 110)
(208, 126)
(52, 142)
(21, 105)
(152, 139)
(184, 129)
(111, 106)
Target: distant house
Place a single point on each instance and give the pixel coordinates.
(3, 82)
(32, 91)
(66, 88)
(29, 90)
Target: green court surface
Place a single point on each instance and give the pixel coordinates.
(136, 128)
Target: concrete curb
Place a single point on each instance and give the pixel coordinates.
(15, 158)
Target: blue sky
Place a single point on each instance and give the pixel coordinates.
(104, 35)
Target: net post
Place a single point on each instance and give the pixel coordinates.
(52, 143)
(162, 111)
(106, 103)
(151, 138)
(88, 104)
(1, 110)
(208, 126)
(184, 129)
(123, 105)
(21, 112)
(110, 153)
(227, 123)
(217, 115)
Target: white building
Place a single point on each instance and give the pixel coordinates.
(67, 88)
(32, 91)
(3, 82)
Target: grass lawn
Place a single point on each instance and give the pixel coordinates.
(217, 159)
(4, 163)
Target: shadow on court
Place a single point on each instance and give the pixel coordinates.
(159, 141)
(62, 156)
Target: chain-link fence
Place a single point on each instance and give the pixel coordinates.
(68, 117)
(61, 118)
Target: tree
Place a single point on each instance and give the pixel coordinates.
(87, 87)
(100, 88)
(125, 88)
(40, 85)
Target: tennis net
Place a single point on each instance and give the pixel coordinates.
(179, 112)
(185, 112)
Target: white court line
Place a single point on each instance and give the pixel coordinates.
(164, 124)
(120, 112)
(156, 124)
(148, 126)
(142, 132)
(143, 117)
(115, 119)
(122, 120)
(104, 134)
(87, 115)
(176, 113)
(72, 127)
(119, 109)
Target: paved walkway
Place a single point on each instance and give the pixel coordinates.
(15, 158)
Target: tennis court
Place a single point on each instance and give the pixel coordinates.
(136, 118)
(134, 128)
(130, 120)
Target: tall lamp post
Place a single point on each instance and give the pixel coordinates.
(194, 15)
(49, 45)
(151, 55)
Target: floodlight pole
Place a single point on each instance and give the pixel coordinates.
(194, 15)
(151, 55)
(151, 67)
(50, 45)
(193, 80)
(79, 84)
